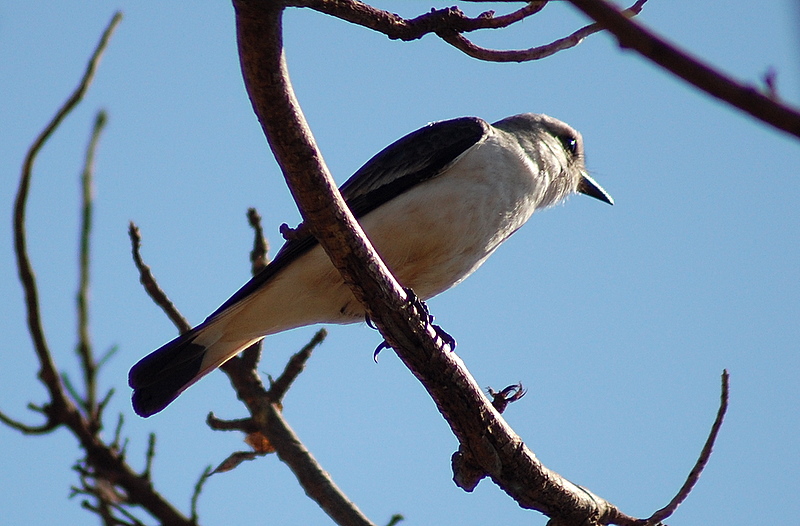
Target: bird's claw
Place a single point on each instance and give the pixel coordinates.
(422, 308)
(512, 393)
(383, 345)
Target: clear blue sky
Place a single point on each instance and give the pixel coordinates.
(619, 320)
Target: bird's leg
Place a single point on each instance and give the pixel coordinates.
(422, 308)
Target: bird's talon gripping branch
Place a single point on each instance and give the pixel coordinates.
(383, 345)
(425, 312)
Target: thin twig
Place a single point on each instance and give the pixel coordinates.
(45, 428)
(702, 461)
(117, 442)
(450, 24)
(250, 357)
(247, 384)
(246, 425)
(295, 366)
(460, 42)
(84, 347)
(198, 487)
(258, 256)
(147, 474)
(151, 286)
(633, 35)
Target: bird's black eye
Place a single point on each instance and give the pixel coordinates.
(570, 143)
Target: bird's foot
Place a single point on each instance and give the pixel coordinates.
(422, 308)
(512, 393)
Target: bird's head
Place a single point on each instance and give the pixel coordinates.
(558, 150)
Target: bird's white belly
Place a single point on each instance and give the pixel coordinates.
(431, 238)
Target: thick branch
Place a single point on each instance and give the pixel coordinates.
(472, 418)
(631, 34)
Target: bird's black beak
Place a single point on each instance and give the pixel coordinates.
(589, 186)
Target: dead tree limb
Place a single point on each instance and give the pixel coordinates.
(264, 406)
(490, 444)
(104, 465)
(633, 35)
(477, 425)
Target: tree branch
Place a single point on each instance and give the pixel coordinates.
(294, 367)
(399, 28)
(148, 281)
(476, 424)
(702, 461)
(486, 439)
(47, 372)
(450, 24)
(105, 465)
(459, 41)
(84, 347)
(264, 408)
(633, 35)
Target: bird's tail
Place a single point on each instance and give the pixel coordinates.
(158, 378)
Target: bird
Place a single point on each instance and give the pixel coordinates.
(435, 204)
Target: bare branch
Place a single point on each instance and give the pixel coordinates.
(700, 465)
(251, 356)
(450, 24)
(47, 373)
(397, 27)
(249, 388)
(26, 429)
(460, 42)
(631, 34)
(246, 425)
(84, 347)
(476, 424)
(103, 464)
(258, 256)
(294, 367)
(267, 419)
(153, 290)
(196, 493)
(147, 474)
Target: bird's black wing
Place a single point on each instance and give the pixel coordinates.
(417, 157)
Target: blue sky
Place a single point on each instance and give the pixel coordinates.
(619, 320)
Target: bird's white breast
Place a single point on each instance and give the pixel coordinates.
(431, 237)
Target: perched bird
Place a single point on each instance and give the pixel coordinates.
(435, 205)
